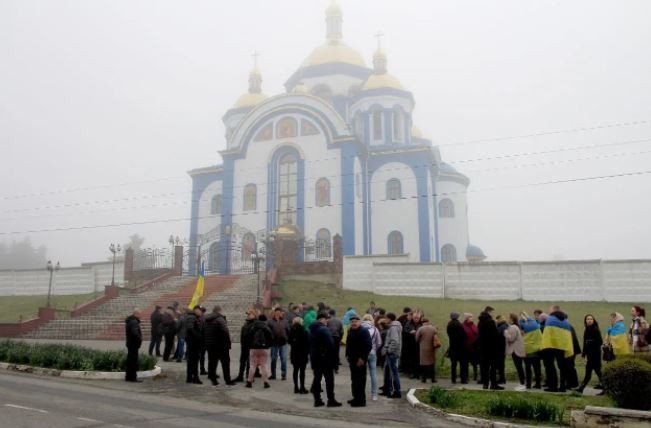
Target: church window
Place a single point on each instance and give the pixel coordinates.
(250, 196)
(394, 190)
(377, 125)
(395, 244)
(248, 246)
(308, 128)
(322, 192)
(286, 128)
(216, 204)
(448, 253)
(323, 247)
(287, 189)
(446, 208)
(358, 185)
(398, 125)
(265, 134)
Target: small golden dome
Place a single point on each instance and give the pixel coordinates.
(376, 81)
(249, 100)
(416, 132)
(337, 52)
(333, 10)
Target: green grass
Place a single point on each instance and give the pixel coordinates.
(473, 403)
(12, 307)
(438, 311)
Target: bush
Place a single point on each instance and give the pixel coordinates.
(68, 357)
(520, 408)
(628, 382)
(644, 356)
(442, 397)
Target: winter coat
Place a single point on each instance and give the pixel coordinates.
(636, 339)
(576, 345)
(393, 343)
(514, 341)
(472, 332)
(376, 336)
(156, 318)
(336, 327)
(500, 344)
(193, 330)
(133, 332)
(308, 319)
(215, 332)
(592, 342)
(167, 325)
(280, 331)
(323, 353)
(457, 338)
(180, 327)
(487, 338)
(268, 335)
(346, 319)
(425, 338)
(299, 340)
(358, 345)
(244, 334)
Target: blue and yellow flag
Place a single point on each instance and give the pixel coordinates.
(619, 338)
(198, 291)
(532, 335)
(558, 335)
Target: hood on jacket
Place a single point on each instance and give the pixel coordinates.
(131, 318)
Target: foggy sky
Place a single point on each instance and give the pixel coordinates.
(125, 97)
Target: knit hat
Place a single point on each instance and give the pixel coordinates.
(466, 316)
(454, 315)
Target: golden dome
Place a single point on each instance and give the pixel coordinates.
(416, 132)
(333, 10)
(337, 52)
(385, 80)
(249, 100)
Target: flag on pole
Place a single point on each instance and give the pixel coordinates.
(198, 291)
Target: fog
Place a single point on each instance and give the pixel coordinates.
(105, 105)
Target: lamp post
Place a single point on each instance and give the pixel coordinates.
(114, 250)
(50, 268)
(257, 258)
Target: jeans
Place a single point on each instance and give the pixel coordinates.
(180, 350)
(155, 343)
(391, 376)
(372, 364)
(275, 352)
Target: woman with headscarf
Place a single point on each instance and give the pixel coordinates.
(532, 346)
(617, 335)
(470, 328)
(591, 350)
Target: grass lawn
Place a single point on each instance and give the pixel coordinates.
(438, 310)
(473, 403)
(12, 307)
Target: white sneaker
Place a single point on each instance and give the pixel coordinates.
(374, 398)
(520, 388)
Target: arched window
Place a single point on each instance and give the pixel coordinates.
(322, 192)
(213, 257)
(287, 189)
(395, 244)
(446, 208)
(265, 134)
(250, 197)
(377, 125)
(286, 128)
(394, 190)
(248, 246)
(448, 253)
(398, 126)
(323, 248)
(216, 204)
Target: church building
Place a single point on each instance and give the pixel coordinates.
(336, 154)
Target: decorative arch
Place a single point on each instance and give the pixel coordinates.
(308, 128)
(322, 192)
(394, 189)
(448, 253)
(250, 197)
(446, 208)
(286, 188)
(287, 127)
(323, 248)
(395, 244)
(216, 204)
(266, 133)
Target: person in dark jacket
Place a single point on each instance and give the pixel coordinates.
(202, 351)
(570, 362)
(280, 331)
(500, 349)
(245, 347)
(553, 356)
(456, 349)
(180, 338)
(217, 341)
(592, 342)
(336, 327)
(322, 357)
(168, 329)
(299, 340)
(155, 320)
(358, 347)
(260, 339)
(134, 340)
(487, 340)
(194, 340)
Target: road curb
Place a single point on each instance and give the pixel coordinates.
(75, 374)
(462, 419)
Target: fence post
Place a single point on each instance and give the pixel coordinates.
(444, 273)
(178, 260)
(520, 281)
(128, 265)
(602, 280)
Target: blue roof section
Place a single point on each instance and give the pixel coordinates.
(474, 251)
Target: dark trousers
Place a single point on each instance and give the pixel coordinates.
(428, 371)
(463, 365)
(592, 364)
(572, 375)
(499, 368)
(488, 370)
(192, 372)
(328, 374)
(298, 374)
(155, 342)
(216, 356)
(202, 358)
(532, 363)
(358, 383)
(551, 359)
(517, 362)
(132, 364)
(244, 363)
(169, 345)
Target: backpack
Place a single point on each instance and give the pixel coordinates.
(259, 339)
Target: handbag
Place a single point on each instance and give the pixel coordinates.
(608, 351)
(437, 342)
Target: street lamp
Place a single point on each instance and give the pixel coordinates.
(114, 250)
(50, 268)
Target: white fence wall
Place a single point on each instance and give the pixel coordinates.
(87, 278)
(583, 280)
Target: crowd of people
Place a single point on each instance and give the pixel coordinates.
(543, 347)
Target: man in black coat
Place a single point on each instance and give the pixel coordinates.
(168, 329)
(323, 360)
(194, 340)
(155, 320)
(245, 347)
(487, 340)
(134, 340)
(358, 346)
(457, 348)
(217, 341)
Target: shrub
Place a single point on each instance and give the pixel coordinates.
(442, 397)
(644, 356)
(520, 408)
(68, 357)
(628, 382)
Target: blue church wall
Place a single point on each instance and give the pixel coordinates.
(199, 183)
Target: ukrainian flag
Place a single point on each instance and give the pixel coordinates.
(619, 339)
(532, 335)
(198, 291)
(558, 335)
